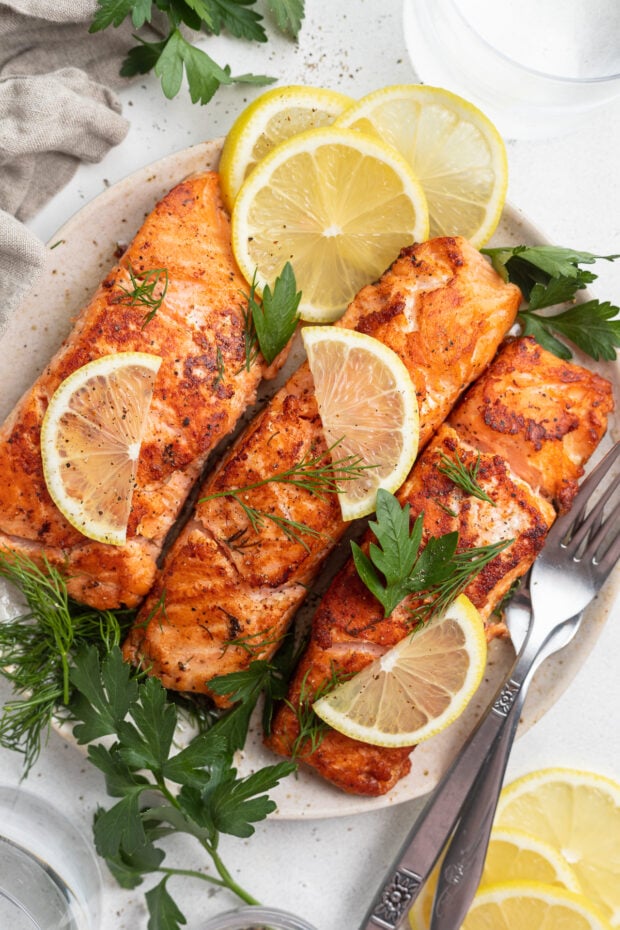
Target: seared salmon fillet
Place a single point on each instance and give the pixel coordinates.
(226, 592)
(349, 629)
(201, 389)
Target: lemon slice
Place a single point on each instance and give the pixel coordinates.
(338, 205)
(531, 906)
(90, 441)
(579, 814)
(454, 150)
(368, 406)
(417, 688)
(512, 856)
(272, 118)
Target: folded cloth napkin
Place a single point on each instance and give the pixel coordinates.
(57, 108)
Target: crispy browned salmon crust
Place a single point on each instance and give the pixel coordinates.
(226, 593)
(202, 388)
(545, 417)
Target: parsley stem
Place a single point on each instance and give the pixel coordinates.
(226, 881)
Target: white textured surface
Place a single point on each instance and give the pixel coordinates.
(570, 188)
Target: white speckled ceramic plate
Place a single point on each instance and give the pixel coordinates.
(83, 251)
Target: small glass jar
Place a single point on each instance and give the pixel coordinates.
(257, 918)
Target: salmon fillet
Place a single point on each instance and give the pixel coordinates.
(349, 629)
(201, 390)
(226, 593)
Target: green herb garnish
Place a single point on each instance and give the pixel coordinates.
(463, 476)
(315, 474)
(549, 275)
(144, 285)
(398, 567)
(275, 318)
(140, 767)
(36, 650)
(175, 54)
(311, 729)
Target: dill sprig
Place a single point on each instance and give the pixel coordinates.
(315, 474)
(144, 285)
(311, 728)
(36, 649)
(465, 566)
(464, 476)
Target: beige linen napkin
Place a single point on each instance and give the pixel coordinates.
(57, 108)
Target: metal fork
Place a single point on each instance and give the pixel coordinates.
(580, 556)
(577, 558)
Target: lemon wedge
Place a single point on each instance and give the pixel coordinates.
(417, 688)
(578, 813)
(368, 407)
(272, 118)
(512, 856)
(529, 906)
(455, 151)
(338, 205)
(90, 441)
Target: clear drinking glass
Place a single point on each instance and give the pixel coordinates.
(49, 875)
(535, 67)
(257, 918)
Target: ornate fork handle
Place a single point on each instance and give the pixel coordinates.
(432, 829)
(463, 864)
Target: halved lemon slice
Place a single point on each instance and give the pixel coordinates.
(368, 407)
(579, 814)
(272, 118)
(90, 441)
(532, 906)
(512, 856)
(338, 205)
(417, 688)
(455, 151)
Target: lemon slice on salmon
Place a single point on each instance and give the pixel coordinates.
(417, 688)
(90, 442)
(368, 408)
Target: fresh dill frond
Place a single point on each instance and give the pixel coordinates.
(464, 567)
(36, 649)
(315, 474)
(250, 339)
(253, 643)
(442, 506)
(311, 728)
(145, 290)
(221, 370)
(464, 476)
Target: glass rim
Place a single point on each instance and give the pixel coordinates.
(237, 918)
(526, 69)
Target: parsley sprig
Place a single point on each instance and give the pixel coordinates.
(270, 323)
(141, 769)
(175, 55)
(548, 276)
(396, 566)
